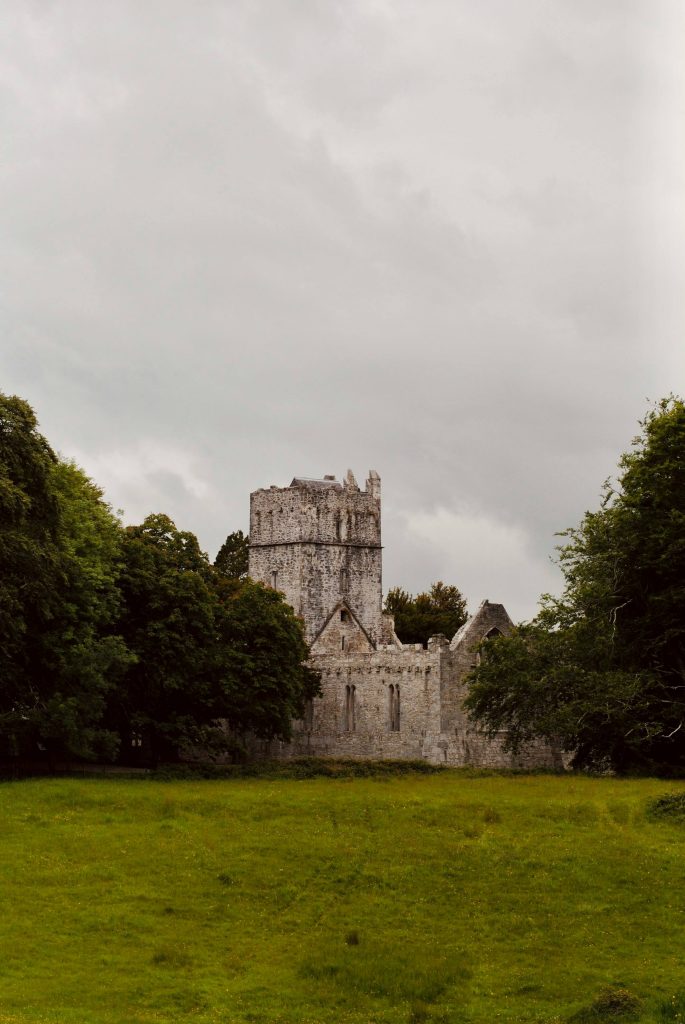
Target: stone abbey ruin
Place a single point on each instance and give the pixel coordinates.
(319, 542)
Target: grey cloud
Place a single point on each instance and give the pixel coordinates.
(243, 241)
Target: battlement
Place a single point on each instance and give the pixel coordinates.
(317, 511)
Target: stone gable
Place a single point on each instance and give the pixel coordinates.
(342, 633)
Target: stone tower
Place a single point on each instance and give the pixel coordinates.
(319, 542)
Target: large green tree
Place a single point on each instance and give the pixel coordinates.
(167, 621)
(602, 668)
(82, 658)
(59, 545)
(263, 674)
(210, 649)
(29, 552)
(441, 610)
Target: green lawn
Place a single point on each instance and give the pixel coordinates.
(417, 898)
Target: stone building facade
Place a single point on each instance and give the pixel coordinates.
(319, 542)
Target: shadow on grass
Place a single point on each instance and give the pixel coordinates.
(418, 976)
(297, 768)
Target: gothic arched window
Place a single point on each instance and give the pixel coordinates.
(490, 635)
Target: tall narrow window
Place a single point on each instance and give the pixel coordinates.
(274, 579)
(350, 709)
(309, 715)
(394, 707)
(342, 643)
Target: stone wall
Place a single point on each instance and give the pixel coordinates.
(330, 732)
(423, 677)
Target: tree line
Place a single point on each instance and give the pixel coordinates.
(601, 669)
(127, 642)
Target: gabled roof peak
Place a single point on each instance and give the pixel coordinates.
(486, 616)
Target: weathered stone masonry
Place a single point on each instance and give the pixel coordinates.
(319, 542)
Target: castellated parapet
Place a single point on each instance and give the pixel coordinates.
(319, 542)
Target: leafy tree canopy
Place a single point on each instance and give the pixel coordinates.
(233, 555)
(167, 621)
(59, 544)
(29, 520)
(208, 648)
(262, 654)
(441, 610)
(81, 655)
(602, 668)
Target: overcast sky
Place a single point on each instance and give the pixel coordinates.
(245, 240)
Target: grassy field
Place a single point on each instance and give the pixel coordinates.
(451, 897)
